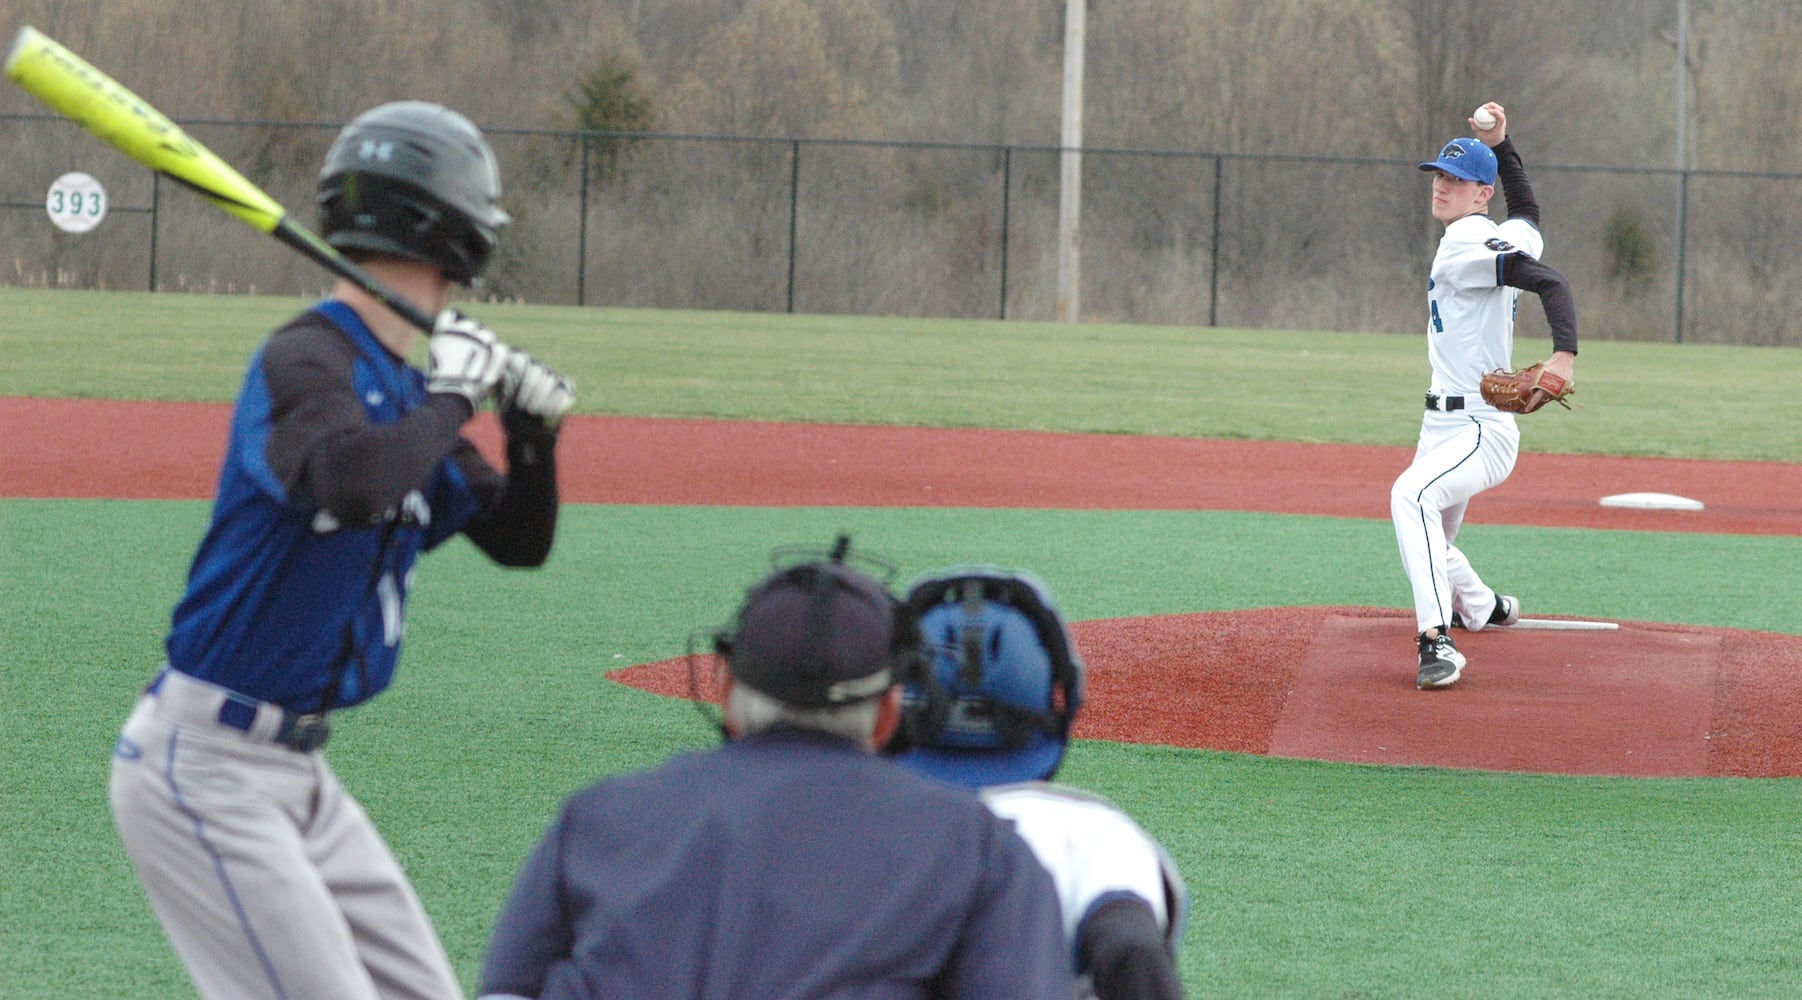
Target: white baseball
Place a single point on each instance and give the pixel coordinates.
(1484, 118)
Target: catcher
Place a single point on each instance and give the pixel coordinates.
(1468, 437)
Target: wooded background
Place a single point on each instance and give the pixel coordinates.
(1247, 163)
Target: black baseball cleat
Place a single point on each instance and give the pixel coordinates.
(1440, 662)
(1507, 612)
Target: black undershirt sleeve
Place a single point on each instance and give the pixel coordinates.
(322, 444)
(1515, 189)
(518, 529)
(323, 447)
(1126, 955)
(1523, 272)
(1529, 275)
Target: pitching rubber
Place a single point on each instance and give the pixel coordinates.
(1560, 625)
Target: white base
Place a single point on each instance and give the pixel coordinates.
(1652, 501)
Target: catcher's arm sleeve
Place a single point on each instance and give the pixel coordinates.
(1125, 952)
(1529, 275)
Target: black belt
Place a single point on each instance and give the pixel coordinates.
(1447, 403)
(300, 732)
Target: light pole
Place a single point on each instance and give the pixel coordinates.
(1069, 203)
(1682, 160)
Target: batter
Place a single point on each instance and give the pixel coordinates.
(1467, 446)
(344, 464)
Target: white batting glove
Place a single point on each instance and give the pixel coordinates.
(531, 387)
(467, 359)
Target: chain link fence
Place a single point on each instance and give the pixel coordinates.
(1177, 237)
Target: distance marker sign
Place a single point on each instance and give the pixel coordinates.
(76, 202)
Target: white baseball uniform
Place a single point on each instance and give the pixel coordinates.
(1466, 446)
(1095, 853)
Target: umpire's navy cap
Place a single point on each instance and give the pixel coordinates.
(815, 635)
(1466, 158)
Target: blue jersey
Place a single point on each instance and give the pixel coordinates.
(326, 498)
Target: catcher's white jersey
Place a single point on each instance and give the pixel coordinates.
(1470, 314)
(1094, 851)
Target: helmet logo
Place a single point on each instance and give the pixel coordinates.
(371, 149)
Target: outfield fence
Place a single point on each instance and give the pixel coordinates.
(1180, 237)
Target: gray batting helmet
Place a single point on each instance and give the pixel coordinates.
(415, 180)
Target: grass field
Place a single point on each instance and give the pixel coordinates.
(1309, 879)
(1683, 401)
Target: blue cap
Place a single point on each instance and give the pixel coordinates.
(1466, 158)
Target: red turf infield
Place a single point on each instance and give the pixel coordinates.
(1648, 699)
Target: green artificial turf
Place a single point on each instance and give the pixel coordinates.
(1309, 879)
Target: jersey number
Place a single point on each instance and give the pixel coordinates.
(1433, 316)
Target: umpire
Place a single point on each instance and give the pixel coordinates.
(792, 862)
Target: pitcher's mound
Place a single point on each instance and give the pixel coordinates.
(1337, 683)
(1635, 702)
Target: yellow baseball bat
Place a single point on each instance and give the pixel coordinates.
(76, 90)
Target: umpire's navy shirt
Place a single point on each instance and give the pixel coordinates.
(784, 865)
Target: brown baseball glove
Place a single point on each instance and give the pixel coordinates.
(1526, 389)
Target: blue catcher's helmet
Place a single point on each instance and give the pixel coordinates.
(1001, 682)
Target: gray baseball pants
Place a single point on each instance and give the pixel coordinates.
(267, 876)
